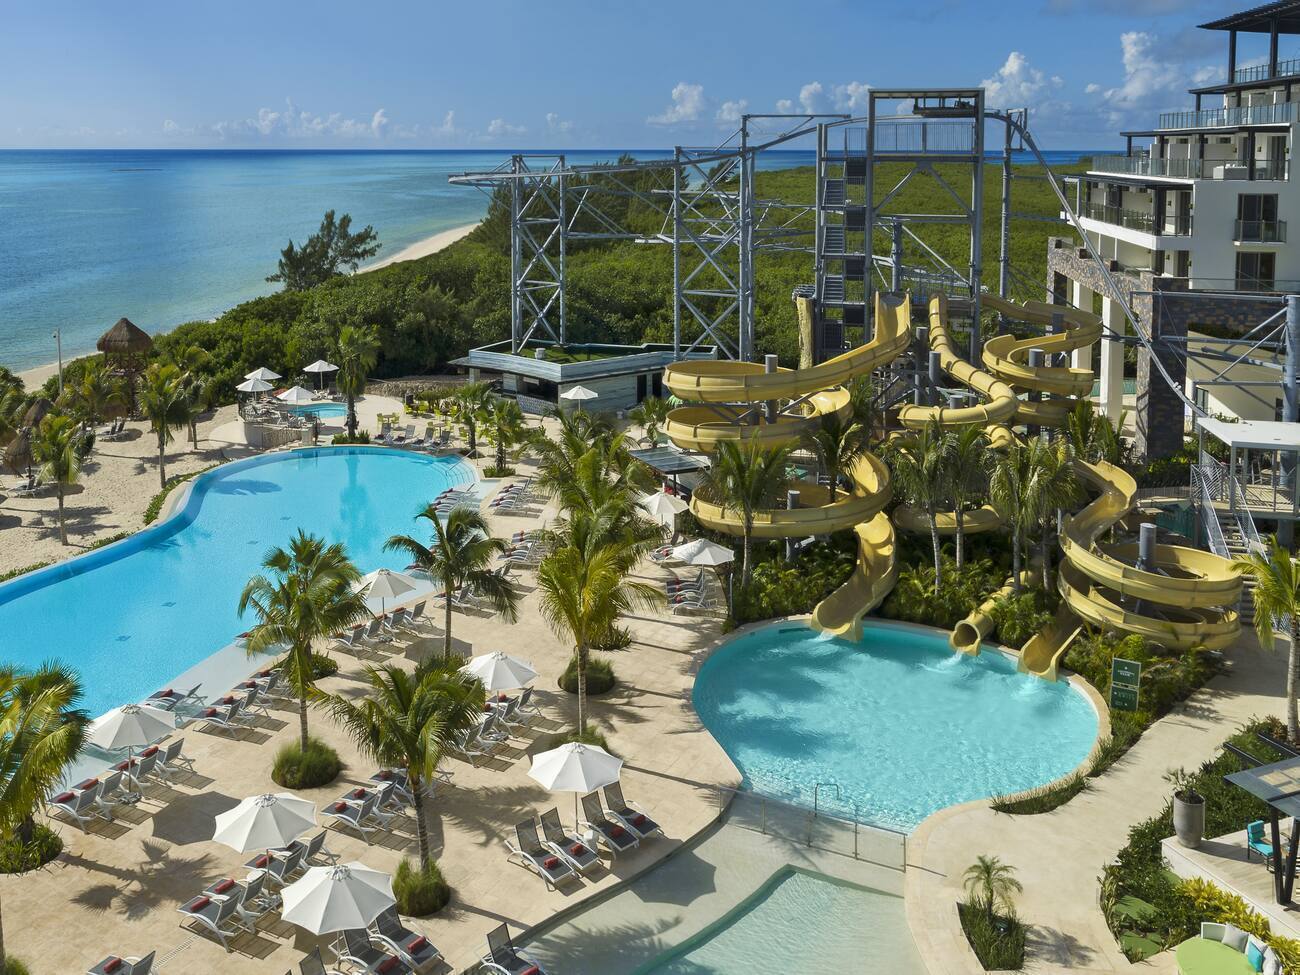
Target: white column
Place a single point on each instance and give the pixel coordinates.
(1082, 298)
(1112, 360)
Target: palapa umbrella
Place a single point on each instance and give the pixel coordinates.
(262, 373)
(498, 671)
(383, 585)
(664, 508)
(38, 411)
(125, 339)
(576, 768)
(266, 822)
(342, 897)
(579, 395)
(320, 367)
(130, 726)
(295, 396)
(18, 452)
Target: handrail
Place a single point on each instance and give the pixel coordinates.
(1244, 518)
(1210, 519)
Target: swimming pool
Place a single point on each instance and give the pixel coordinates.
(801, 922)
(898, 722)
(321, 411)
(133, 615)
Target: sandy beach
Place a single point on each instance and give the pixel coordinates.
(421, 248)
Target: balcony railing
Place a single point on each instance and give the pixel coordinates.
(1178, 226)
(1213, 118)
(1190, 168)
(1260, 72)
(1260, 231)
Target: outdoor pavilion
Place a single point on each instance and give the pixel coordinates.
(668, 461)
(1277, 784)
(1260, 475)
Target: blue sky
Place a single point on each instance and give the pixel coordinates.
(556, 73)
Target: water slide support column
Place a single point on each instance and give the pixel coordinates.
(791, 503)
(1112, 360)
(769, 367)
(896, 258)
(1036, 357)
(1082, 298)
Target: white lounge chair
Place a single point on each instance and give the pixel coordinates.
(528, 850)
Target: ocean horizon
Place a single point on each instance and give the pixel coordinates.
(166, 236)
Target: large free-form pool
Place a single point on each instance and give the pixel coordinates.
(898, 722)
(132, 616)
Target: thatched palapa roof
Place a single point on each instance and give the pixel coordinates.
(38, 411)
(18, 454)
(125, 338)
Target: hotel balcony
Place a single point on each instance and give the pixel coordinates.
(1219, 118)
(1147, 223)
(1261, 72)
(1260, 232)
(1265, 169)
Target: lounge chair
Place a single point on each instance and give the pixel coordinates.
(624, 812)
(251, 896)
(81, 806)
(279, 870)
(503, 958)
(313, 849)
(313, 964)
(397, 619)
(138, 769)
(691, 601)
(350, 639)
(115, 965)
(358, 950)
(111, 792)
(529, 851)
(414, 949)
(218, 915)
(527, 709)
(169, 698)
(616, 837)
(385, 432)
(355, 812)
(566, 846)
(222, 717)
(374, 631)
(1255, 842)
(413, 615)
(465, 599)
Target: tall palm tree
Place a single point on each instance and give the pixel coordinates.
(472, 399)
(163, 401)
(990, 883)
(1092, 435)
(305, 594)
(54, 447)
(503, 424)
(919, 461)
(651, 414)
(408, 720)
(41, 732)
(838, 442)
(1010, 484)
(357, 353)
(748, 478)
(967, 476)
(461, 555)
(1053, 487)
(191, 360)
(577, 435)
(1277, 603)
(584, 592)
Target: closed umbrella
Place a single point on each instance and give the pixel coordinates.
(383, 585)
(262, 373)
(576, 768)
(320, 367)
(664, 508)
(266, 822)
(295, 396)
(338, 898)
(498, 671)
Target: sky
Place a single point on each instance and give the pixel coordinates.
(565, 74)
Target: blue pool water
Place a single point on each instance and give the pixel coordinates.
(131, 616)
(899, 722)
(322, 411)
(801, 922)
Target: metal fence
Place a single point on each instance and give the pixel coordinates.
(1224, 117)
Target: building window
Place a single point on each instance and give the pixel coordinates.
(1257, 218)
(1255, 271)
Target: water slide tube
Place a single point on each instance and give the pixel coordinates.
(967, 635)
(816, 391)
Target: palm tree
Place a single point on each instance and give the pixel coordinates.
(503, 423)
(357, 353)
(1010, 484)
(163, 402)
(191, 360)
(919, 461)
(96, 393)
(584, 592)
(472, 399)
(838, 443)
(306, 593)
(54, 447)
(559, 452)
(1053, 487)
(41, 732)
(651, 413)
(968, 477)
(1092, 435)
(1277, 603)
(990, 883)
(408, 720)
(746, 477)
(461, 555)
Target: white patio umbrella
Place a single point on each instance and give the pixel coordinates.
(383, 585)
(320, 367)
(296, 395)
(328, 899)
(498, 671)
(254, 386)
(263, 373)
(131, 726)
(704, 552)
(579, 395)
(576, 768)
(664, 508)
(266, 822)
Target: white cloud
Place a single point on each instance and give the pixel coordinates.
(1016, 84)
(446, 129)
(379, 123)
(852, 97)
(556, 125)
(812, 98)
(730, 112)
(499, 127)
(688, 103)
(1092, 89)
(785, 106)
(1146, 75)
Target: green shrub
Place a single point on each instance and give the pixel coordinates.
(15, 573)
(420, 892)
(154, 507)
(298, 769)
(1019, 616)
(589, 737)
(494, 471)
(618, 638)
(600, 676)
(998, 942)
(15, 967)
(1043, 799)
(362, 437)
(44, 846)
(107, 541)
(780, 588)
(915, 600)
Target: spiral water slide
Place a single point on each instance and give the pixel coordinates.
(729, 401)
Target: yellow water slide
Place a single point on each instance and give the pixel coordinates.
(728, 403)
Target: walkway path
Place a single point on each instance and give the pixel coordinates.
(1058, 856)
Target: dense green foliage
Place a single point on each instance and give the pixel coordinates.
(916, 600)
(1166, 679)
(322, 666)
(600, 676)
(1019, 616)
(998, 942)
(420, 891)
(298, 768)
(781, 588)
(154, 508)
(327, 253)
(17, 856)
(12, 966)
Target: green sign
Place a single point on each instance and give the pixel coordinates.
(1123, 698)
(1125, 678)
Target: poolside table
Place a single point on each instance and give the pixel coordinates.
(1202, 956)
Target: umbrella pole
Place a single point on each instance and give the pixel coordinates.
(577, 828)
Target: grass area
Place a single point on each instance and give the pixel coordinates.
(998, 941)
(1043, 799)
(15, 573)
(569, 353)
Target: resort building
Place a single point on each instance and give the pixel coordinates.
(1191, 222)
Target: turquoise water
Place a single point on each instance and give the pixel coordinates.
(321, 410)
(132, 616)
(901, 724)
(802, 922)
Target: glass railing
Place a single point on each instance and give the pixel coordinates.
(1240, 115)
(1261, 231)
(1189, 168)
(1260, 72)
(1178, 226)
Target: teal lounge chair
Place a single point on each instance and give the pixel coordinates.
(1255, 842)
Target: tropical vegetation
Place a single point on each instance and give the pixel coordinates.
(1277, 605)
(56, 447)
(326, 254)
(164, 401)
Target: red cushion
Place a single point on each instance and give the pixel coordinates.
(388, 964)
(264, 673)
(113, 964)
(550, 863)
(262, 861)
(151, 750)
(638, 820)
(170, 692)
(418, 945)
(616, 831)
(487, 709)
(210, 713)
(228, 699)
(383, 775)
(122, 766)
(247, 684)
(224, 886)
(88, 784)
(340, 806)
(503, 698)
(358, 793)
(199, 903)
(577, 849)
(63, 797)
(531, 970)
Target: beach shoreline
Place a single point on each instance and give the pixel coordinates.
(38, 375)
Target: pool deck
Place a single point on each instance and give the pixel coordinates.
(115, 890)
(1058, 856)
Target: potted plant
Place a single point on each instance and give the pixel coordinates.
(1189, 809)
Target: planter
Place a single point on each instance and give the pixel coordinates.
(1189, 818)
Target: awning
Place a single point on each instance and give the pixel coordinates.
(669, 460)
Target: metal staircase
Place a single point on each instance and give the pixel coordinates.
(1237, 543)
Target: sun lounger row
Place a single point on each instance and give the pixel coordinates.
(513, 496)
(430, 440)
(500, 715)
(95, 798)
(366, 810)
(381, 629)
(114, 431)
